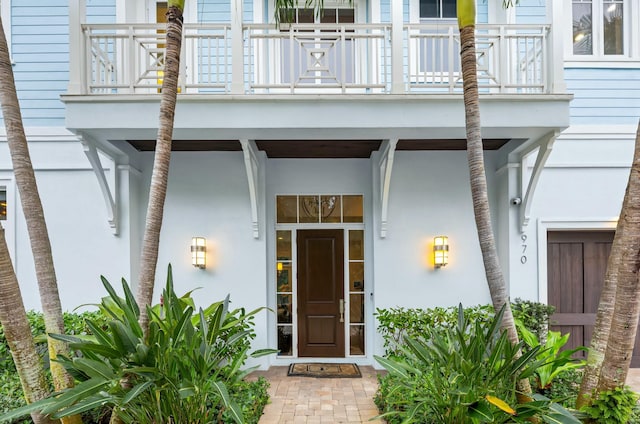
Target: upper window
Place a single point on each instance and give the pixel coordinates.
(438, 9)
(600, 27)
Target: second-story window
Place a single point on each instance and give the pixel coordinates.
(599, 27)
(438, 9)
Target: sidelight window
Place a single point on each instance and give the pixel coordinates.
(3, 204)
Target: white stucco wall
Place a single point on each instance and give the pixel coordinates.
(208, 196)
(82, 242)
(429, 196)
(580, 188)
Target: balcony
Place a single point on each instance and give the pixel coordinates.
(124, 59)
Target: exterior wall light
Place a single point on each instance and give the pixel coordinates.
(440, 251)
(199, 252)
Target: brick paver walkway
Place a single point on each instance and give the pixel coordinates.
(319, 400)
(332, 400)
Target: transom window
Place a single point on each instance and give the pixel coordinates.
(600, 27)
(320, 209)
(438, 9)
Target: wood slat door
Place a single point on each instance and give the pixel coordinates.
(576, 266)
(320, 291)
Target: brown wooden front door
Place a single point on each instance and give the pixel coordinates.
(320, 293)
(576, 265)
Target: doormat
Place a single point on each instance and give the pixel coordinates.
(324, 370)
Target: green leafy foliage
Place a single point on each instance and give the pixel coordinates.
(554, 360)
(462, 373)
(394, 324)
(187, 370)
(534, 316)
(613, 406)
(11, 396)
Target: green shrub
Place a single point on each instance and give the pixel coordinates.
(394, 324)
(613, 406)
(534, 316)
(186, 370)
(463, 373)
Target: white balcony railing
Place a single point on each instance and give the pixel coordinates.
(350, 58)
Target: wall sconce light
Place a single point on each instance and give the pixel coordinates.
(199, 252)
(279, 267)
(440, 251)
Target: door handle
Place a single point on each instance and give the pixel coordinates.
(341, 310)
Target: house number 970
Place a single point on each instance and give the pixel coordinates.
(523, 258)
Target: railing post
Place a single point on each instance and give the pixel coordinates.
(237, 48)
(77, 61)
(397, 56)
(555, 54)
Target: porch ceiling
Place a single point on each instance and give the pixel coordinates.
(315, 148)
(312, 125)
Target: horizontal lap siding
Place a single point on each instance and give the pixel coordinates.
(604, 96)
(40, 51)
(531, 12)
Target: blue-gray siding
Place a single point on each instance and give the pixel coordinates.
(531, 12)
(218, 11)
(604, 96)
(40, 51)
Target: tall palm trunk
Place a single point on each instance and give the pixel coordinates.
(626, 311)
(601, 331)
(13, 318)
(495, 278)
(160, 175)
(34, 215)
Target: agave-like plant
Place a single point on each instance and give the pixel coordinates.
(468, 373)
(180, 373)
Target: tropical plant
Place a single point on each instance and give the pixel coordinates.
(612, 406)
(181, 372)
(162, 157)
(466, 373)
(395, 324)
(534, 316)
(555, 361)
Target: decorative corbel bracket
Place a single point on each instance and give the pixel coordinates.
(110, 191)
(544, 146)
(252, 165)
(385, 168)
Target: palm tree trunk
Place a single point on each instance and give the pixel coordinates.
(160, 175)
(495, 278)
(34, 215)
(626, 311)
(13, 318)
(600, 336)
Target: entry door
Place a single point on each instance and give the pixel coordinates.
(320, 293)
(576, 263)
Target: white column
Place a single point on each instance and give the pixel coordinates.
(77, 15)
(237, 48)
(555, 16)
(397, 59)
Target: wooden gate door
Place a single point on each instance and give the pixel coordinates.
(320, 293)
(576, 265)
